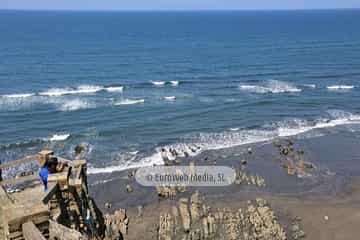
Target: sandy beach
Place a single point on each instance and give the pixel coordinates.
(326, 202)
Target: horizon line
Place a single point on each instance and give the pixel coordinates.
(176, 10)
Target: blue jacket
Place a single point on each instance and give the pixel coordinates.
(44, 173)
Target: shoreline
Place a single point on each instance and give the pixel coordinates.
(326, 201)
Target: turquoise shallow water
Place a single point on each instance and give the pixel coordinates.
(125, 84)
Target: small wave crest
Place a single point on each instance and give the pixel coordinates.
(170, 98)
(84, 89)
(36, 141)
(58, 137)
(115, 89)
(272, 86)
(340, 87)
(174, 83)
(310, 85)
(128, 102)
(158, 83)
(18, 95)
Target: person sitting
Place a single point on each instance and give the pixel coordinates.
(51, 166)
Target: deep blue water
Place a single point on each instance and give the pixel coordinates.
(243, 77)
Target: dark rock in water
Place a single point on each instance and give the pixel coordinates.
(108, 205)
(129, 188)
(249, 150)
(243, 162)
(284, 151)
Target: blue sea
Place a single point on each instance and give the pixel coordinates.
(124, 85)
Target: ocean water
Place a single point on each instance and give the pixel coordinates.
(126, 84)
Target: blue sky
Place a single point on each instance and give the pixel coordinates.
(176, 4)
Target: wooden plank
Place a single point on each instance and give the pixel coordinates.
(31, 232)
(18, 162)
(61, 232)
(52, 189)
(17, 215)
(58, 177)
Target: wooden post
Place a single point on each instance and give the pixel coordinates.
(31, 232)
(43, 156)
(52, 189)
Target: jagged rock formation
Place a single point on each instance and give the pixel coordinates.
(116, 225)
(292, 160)
(199, 222)
(296, 231)
(243, 178)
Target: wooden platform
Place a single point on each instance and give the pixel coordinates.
(19, 208)
(26, 214)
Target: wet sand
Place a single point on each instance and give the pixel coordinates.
(328, 202)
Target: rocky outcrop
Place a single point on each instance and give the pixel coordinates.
(116, 225)
(166, 227)
(185, 214)
(255, 222)
(243, 178)
(293, 160)
(296, 231)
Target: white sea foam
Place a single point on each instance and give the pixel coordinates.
(19, 95)
(310, 85)
(158, 83)
(152, 160)
(174, 83)
(83, 89)
(212, 141)
(114, 89)
(340, 87)
(74, 104)
(58, 137)
(170, 98)
(272, 86)
(128, 101)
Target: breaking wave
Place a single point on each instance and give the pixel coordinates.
(340, 87)
(310, 85)
(56, 92)
(162, 83)
(128, 102)
(174, 83)
(158, 83)
(170, 98)
(58, 137)
(272, 86)
(18, 95)
(35, 141)
(74, 105)
(114, 89)
(235, 137)
(152, 160)
(84, 89)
